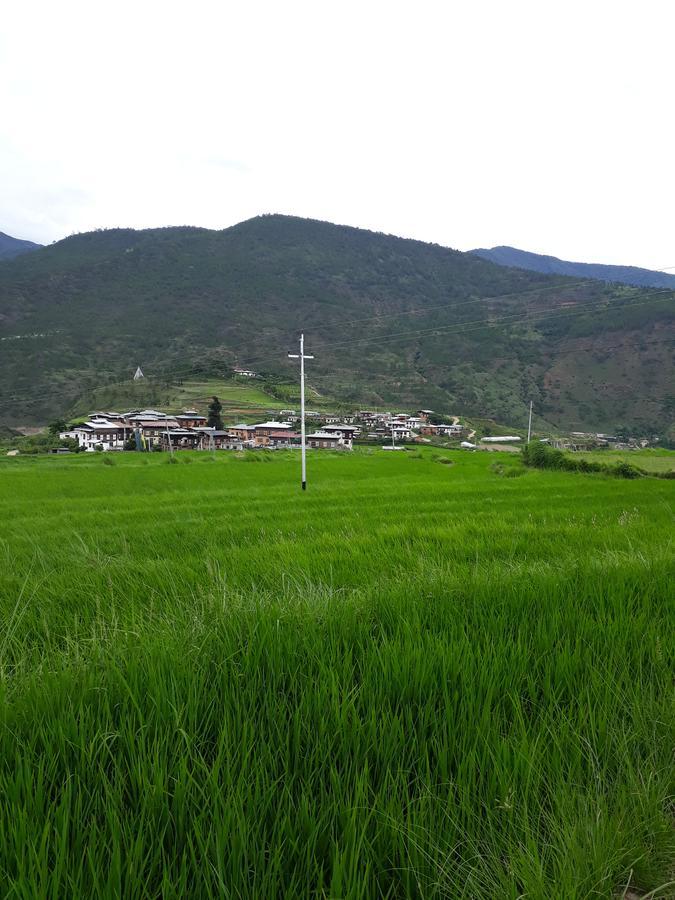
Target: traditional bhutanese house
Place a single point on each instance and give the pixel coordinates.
(191, 419)
(401, 432)
(264, 429)
(153, 429)
(117, 418)
(328, 440)
(425, 413)
(218, 439)
(181, 439)
(92, 435)
(243, 432)
(137, 415)
(441, 429)
(283, 438)
(347, 432)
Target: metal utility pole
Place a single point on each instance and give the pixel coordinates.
(529, 425)
(302, 357)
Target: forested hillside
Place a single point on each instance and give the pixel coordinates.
(389, 321)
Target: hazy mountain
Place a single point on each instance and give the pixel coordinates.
(551, 265)
(11, 247)
(390, 321)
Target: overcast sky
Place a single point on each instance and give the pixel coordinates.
(545, 125)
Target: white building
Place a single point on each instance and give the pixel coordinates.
(99, 434)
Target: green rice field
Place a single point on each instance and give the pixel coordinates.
(427, 676)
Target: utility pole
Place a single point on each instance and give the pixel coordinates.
(302, 357)
(529, 424)
(393, 442)
(168, 437)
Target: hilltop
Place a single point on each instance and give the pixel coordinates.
(11, 246)
(389, 321)
(551, 265)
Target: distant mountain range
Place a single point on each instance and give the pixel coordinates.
(391, 322)
(11, 247)
(551, 265)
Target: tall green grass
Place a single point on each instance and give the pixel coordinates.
(413, 680)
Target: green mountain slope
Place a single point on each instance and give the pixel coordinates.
(389, 321)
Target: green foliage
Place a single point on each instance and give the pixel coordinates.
(214, 419)
(407, 682)
(542, 456)
(43, 442)
(201, 300)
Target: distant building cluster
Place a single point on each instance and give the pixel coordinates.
(150, 429)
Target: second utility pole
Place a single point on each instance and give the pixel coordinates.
(301, 356)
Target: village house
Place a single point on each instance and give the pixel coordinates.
(100, 434)
(191, 419)
(143, 414)
(415, 422)
(346, 431)
(242, 431)
(280, 439)
(401, 432)
(442, 430)
(180, 439)
(151, 430)
(218, 439)
(328, 440)
(117, 418)
(262, 431)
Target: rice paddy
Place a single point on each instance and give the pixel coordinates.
(428, 676)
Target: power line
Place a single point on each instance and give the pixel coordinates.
(599, 303)
(460, 328)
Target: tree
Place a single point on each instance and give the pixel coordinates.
(214, 418)
(58, 426)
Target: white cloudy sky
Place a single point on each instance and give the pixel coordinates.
(546, 125)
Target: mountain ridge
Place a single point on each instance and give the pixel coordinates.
(512, 257)
(391, 321)
(10, 247)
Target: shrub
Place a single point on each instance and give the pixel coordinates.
(626, 470)
(541, 456)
